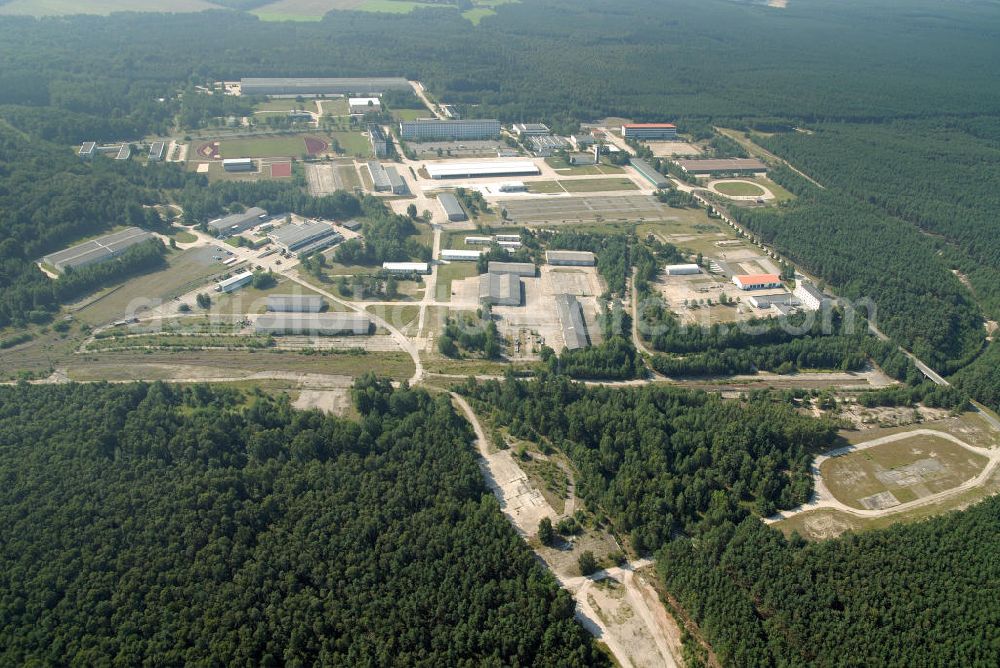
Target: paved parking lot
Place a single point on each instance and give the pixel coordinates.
(555, 210)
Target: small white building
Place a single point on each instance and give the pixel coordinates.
(510, 244)
(478, 241)
(234, 283)
(406, 267)
(456, 255)
(507, 237)
(362, 105)
(682, 269)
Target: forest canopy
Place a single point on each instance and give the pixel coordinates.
(186, 525)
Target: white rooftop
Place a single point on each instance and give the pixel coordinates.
(485, 168)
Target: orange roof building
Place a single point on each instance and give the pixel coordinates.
(757, 281)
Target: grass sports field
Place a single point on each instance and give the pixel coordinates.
(266, 146)
(739, 189)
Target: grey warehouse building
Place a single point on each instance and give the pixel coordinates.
(574, 328)
(321, 86)
(295, 303)
(314, 324)
(570, 258)
(452, 207)
(658, 180)
(97, 250)
(517, 268)
(305, 238)
(500, 289)
(237, 222)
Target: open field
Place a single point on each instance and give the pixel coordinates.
(585, 209)
(739, 188)
(291, 146)
(561, 165)
(352, 143)
(186, 271)
(825, 523)
(899, 472)
(455, 271)
(284, 104)
(224, 364)
(597, 185)
(103, 7)
(666, 149)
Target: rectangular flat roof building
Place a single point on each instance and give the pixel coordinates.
(295, 303)
(507, 237)
(574, 327)
(682, 269)
(239, 165)
(452, 207)
(767, 301)
(362, 105)
(406, 267)
(321, 85)
(455, 255)
(570, 258)
(516, 268)
(722, 166)
(649, 131)
(380, 180)
(234, 282)
(396, 183)
(478, 241)
(474, 170)
(811, 297)
(308, 237)
(433, 128)
(500, 289)
(314, 324)
(757, 281)
(157, 151)
(97, 250)
(530, 129)
(237, 222)
(649, 172)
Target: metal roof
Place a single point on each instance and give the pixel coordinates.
(451, 205)
(294, 236)
(314, 324)
(252, 214)
(648, 125)
(307, 303)
(519, 268)
(476, 169)
(97, 250)
(415, 267)
(556, 256)
(574, 328)
(503, 289)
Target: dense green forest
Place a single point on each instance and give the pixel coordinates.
(917, 594)
(942, 179)
(658, 460)
(553, 60)
(872, 257)
(150, 524)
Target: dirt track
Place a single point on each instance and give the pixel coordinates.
(618, 606)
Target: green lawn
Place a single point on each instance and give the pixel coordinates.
(410, 114)
(545, 187)
(291, 146)
(184, 237)
(103, 7)
(284, 104)
(597, 185)
(739, 189)
(456, 271)
(353, 143)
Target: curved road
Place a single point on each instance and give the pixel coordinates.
(824, 498)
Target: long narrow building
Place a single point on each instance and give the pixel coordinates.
(321, 85)
(574, 327)
(433, 128)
